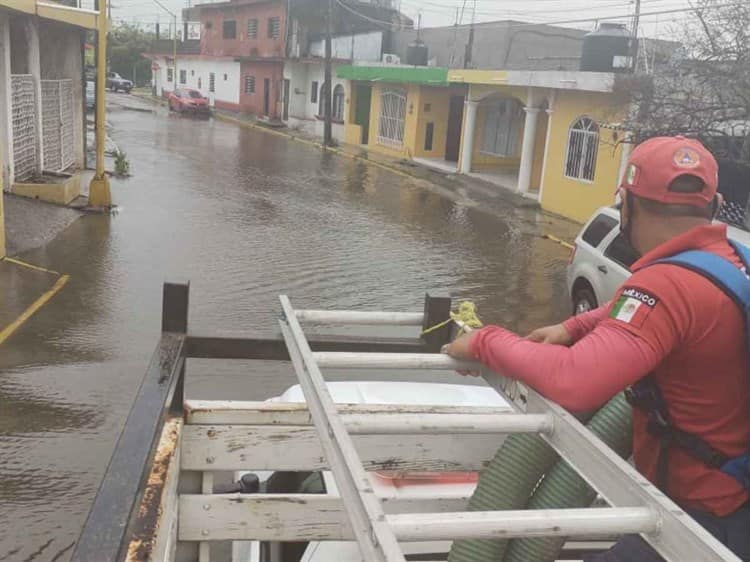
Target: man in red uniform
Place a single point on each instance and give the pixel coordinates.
(665, 321)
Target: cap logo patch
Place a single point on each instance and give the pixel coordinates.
(686, 157)
(630, 174)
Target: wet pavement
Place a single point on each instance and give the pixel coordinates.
(244, 216)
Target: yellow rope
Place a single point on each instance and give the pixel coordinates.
(465, 317)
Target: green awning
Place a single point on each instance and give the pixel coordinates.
(428, 75)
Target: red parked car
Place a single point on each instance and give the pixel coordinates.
(184, 99)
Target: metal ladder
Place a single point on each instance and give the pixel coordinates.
(637, 506)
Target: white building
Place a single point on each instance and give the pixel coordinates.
(217, 78)
(306, 82)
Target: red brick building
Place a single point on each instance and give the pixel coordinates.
(254, 33)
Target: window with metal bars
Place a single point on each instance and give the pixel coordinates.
(392, 117)
(501, 127)
(274, 27)
(170, 74)
(314, 92)
(583, 147)
(249, 84)
(183, 76)
(211, 82)
(252, 28)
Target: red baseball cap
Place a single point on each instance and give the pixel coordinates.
(657, 162)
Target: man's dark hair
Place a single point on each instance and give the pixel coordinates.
(681, 184)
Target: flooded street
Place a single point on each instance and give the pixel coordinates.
(244, 216)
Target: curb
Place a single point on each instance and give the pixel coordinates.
(332, 150)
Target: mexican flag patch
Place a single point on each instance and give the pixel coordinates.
(633, 306)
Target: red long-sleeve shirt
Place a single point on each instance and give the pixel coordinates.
(668, 321)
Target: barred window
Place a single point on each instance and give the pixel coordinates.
(249, 84)
(183, 76)
(501, 127)
(337, 103)
(170, 74)
(392, 118)
(211, 82)
(274, 27)
(314, 92)
(252, 28)
(583, 147)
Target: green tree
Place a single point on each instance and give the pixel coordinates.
(125, 47)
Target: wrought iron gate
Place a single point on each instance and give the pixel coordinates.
(57, 124)
(23, 108)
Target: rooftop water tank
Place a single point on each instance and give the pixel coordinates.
(417, 53)
(607, 49)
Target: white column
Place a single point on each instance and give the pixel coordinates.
(527, 149)
(35, 69)
(550, 110)
(467, 136)
(6, 115)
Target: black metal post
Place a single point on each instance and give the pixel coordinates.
(437, 309)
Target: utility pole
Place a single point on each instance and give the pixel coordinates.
(99, 192)
(327, 90)
(468, 55)
(636, 24)
(174, 51)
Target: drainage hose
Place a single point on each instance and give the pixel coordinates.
(513, 476)
(562, 487)
(506, 483)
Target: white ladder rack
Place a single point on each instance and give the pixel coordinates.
(636, 505)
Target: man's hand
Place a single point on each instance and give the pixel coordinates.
(555, 335)
(459, 349)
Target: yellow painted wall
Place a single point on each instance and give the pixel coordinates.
(439, 100)
(482, 161)
(410, 124)
(480, 92)
(61, 192)
(2, 217)
(572, 198)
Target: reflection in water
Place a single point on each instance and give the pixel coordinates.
(244, 216)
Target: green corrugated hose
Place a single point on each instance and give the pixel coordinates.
(514, 474)
(562, 487)
(506, 483)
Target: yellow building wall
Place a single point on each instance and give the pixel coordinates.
(352, 131)
(439, 100)
(2, 218)
(480, 92)
(410, 124)
(483, 161)
(577, 199)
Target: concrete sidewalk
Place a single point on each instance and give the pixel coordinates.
(30, 223)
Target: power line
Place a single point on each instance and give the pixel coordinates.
(560, 22)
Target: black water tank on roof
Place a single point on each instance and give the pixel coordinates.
(607, 49)
(417, 53)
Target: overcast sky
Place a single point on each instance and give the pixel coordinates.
(443, 12)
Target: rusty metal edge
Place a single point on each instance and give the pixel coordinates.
(150, 518)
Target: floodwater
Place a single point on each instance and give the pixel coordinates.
(244, 216)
